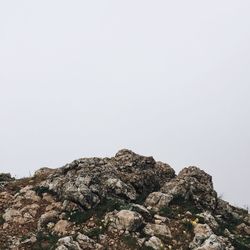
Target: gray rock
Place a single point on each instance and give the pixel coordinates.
(216, 243)
(85, 242)
(87, 181)
(67, 243)
(157, 200)
(209, 219)
(201, 233)
(193, 184)
(124, 220)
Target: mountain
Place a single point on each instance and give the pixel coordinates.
(127, 201)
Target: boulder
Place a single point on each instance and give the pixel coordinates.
(157, 230)
(62, 227)
(124, 220)
(154, 243)
(157, 200)
(67, 243)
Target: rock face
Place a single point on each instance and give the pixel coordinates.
(128, 201)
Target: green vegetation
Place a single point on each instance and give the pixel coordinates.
(185, 205)
(130, 241)
(230, 222)
(45, 241)
(99, 211)
(241, 243)
(40, 190)
(95, 232)
(167, 212)
(188, 225)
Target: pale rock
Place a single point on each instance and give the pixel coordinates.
(157, 230)
(209, 219)
(47, 217)
(158, 200)
(124, 220)
(62, 227)
(154, 243)
(68, 243)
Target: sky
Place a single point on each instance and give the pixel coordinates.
(169, 79)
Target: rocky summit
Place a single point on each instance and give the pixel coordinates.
(128, 201)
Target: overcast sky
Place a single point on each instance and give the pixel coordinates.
(169, 79)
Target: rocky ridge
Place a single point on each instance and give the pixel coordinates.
(128, 201)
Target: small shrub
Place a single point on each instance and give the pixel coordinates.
(107, 205)
(188, 225)
(80, 217)
(185, 205)
(45, 241)
(228, 222)
(147, 248)
(40, 190)
(166, 211)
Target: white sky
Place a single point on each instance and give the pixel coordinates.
(164, 78)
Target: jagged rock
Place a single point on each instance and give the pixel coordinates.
(247, 219)
(162, 219)
(154, 243)
(128, 175)
(215, 242)
(202, 232)
(124, 220)
(193, 184)
(44, 172)
(68, 243)
(243, 228)
(86, 243)
(141, 210)
(50, 216)
(5, 177)
(209, 219)
(120, 188)
(157, 200)
(157, 230)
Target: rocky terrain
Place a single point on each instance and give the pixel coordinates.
(124, 202)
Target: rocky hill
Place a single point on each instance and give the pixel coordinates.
(124, 202)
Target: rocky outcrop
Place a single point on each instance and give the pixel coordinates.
(127, 201)
(127, 175)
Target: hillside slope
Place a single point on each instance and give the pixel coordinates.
(128, 201)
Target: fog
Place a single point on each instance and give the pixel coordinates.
(169, 79)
